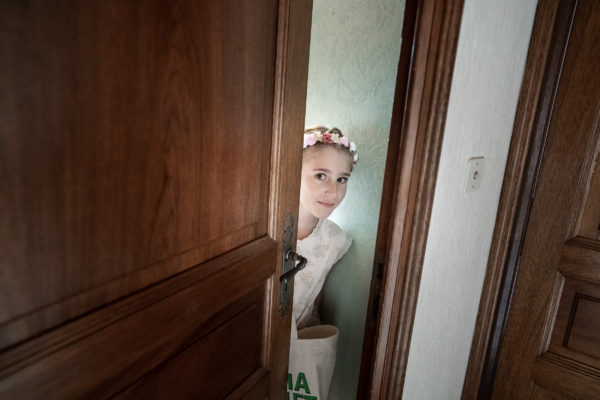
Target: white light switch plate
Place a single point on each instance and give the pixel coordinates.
(474, 174)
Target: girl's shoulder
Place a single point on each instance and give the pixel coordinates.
(326, 244)
(331, 231)
(330, 228)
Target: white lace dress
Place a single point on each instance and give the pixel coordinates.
(326, 244)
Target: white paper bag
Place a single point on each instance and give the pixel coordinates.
(312, 359)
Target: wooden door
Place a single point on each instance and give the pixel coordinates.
(551, 347)
(148, 159)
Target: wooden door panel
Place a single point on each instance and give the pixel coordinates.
(589, 224)
(148, 160)
(565, 378)
(135, 145)
(541, 394)
(551, 348)
(192, 373)
(580, 259)
(576, 331)
(257, 392)
(183, 322)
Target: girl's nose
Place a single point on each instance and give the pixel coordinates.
(331, 188)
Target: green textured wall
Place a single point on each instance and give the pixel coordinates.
(354, 52)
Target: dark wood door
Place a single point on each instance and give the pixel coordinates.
(143, 146)
(551, 347)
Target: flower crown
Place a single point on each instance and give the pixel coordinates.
(330, 136)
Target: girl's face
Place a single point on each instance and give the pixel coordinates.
(325, 173)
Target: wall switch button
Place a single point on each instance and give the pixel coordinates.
(474, 174)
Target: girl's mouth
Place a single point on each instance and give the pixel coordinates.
(325, 204)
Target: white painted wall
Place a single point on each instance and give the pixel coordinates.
(492, 48)
(354, 50)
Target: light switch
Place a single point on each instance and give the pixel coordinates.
(474, 174)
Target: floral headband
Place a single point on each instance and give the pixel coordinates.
(330, 136)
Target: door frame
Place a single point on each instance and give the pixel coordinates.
(289, 110)
(538, 90)
(429, 42)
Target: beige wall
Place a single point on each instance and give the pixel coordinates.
(492, 48)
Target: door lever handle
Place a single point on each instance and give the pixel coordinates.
(293, 256)
(289, 259)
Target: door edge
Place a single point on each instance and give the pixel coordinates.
(289, 109)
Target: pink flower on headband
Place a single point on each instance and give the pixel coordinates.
(309, 140)
(327, 137)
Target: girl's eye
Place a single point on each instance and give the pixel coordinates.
(320, 176)
(343, 179)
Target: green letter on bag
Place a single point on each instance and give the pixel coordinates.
(289, 381)
(301, 383)
(300, 396)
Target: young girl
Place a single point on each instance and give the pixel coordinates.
(327, 161)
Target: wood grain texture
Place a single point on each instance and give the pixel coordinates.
(260, 386)
(193, 373)
(253, 388)
(144, 325)
(513, 209)
(561, 187)
(115, 183)
(580, 259)
(542, 394)
(589, 221)
(144, 203)
(576, 330)
(584, 333)
(415, 170)
(566, 379)
(293, 42)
